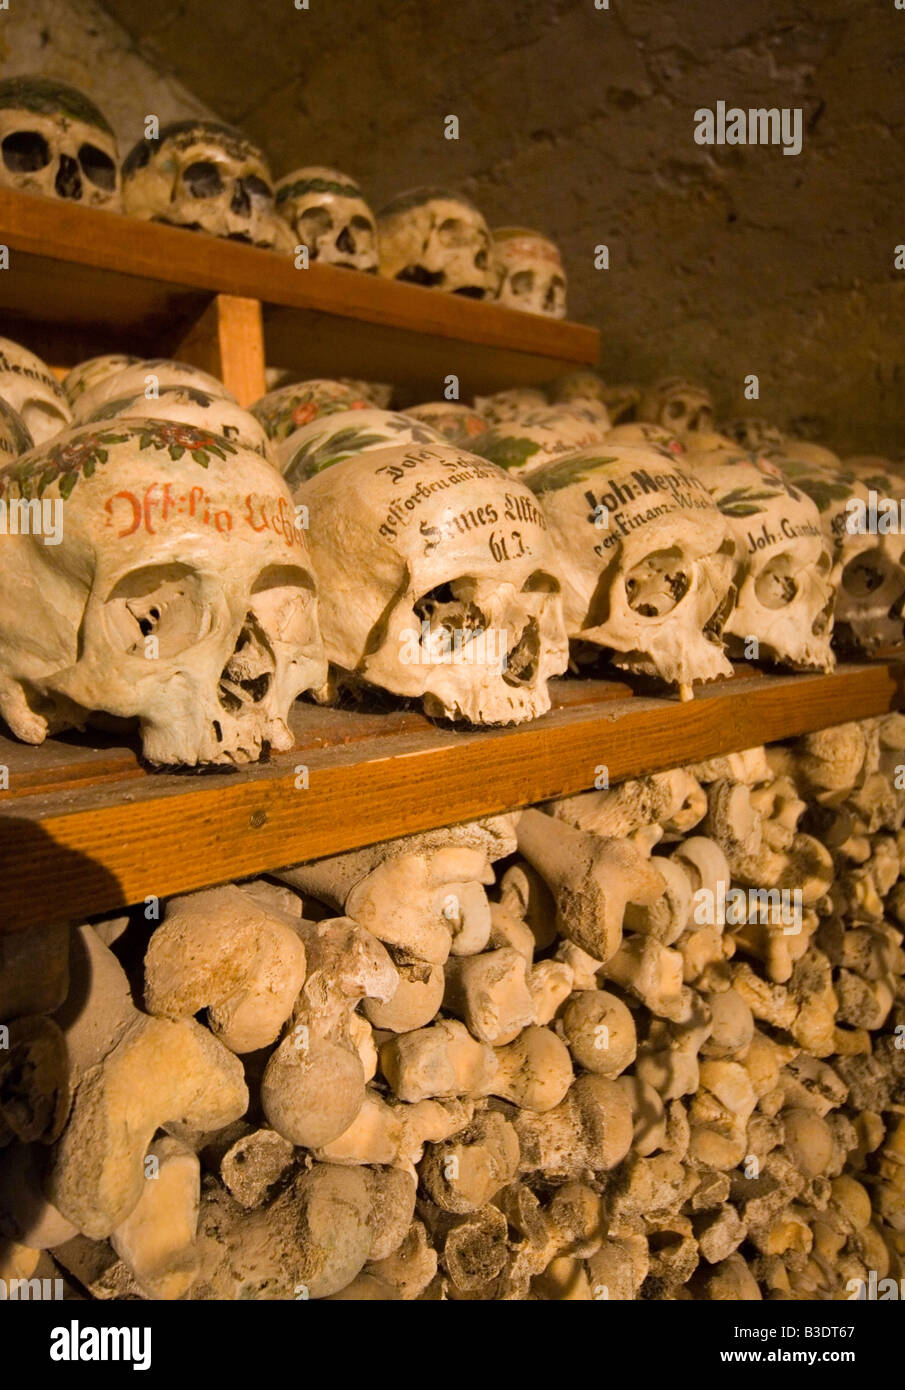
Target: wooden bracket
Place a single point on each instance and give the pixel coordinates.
(228, 341)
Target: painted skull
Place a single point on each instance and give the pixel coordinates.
(647, 560)
(785, 577)
(149, 377)
(543, 435)
(530, 274)
(756, 436)
(458, 424)
(437, 239)
(53, 140)
(177, 591)
(189, 405)
(679, 405)
(207, 177)
(86, 375)
(15, 438)
(328, 214)
(29, 386)
(869, 564)
(644, 432)
(504, 406)
(442, 582)
(332, 438)
(288, 408)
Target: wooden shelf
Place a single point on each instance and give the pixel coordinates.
(82, 281)
(85, 828)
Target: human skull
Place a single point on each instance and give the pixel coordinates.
(379, 393)
(442, 581)
(530, 272)
(785, 577)
(756, 436)
(328, 214)
(871, 574)
(504, 406)
(646, 557)
(189, 405)
(148, 377)
(86, 375)
(331, 438)
(581, 386)
(29, 386)
(15, 438)
(53, 140)
(207, 177)
(180, 594)
(679, 405)
(287, 409)
(458, 424)
(536, 438)
(645, 432)
(437, 239)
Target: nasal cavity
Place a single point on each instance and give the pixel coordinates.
(68, 182)
(241, 203)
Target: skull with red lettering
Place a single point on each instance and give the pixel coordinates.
(154, 571)
(443, 584)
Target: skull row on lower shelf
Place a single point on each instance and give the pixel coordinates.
(209, 177)
(643, 1043)
(170, 559)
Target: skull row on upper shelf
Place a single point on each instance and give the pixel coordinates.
(205, 176)
(169, 557)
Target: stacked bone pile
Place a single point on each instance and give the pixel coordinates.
(208, 177)
(557, 1055)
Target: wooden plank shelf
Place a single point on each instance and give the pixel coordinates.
(85, 828)
(82, 281)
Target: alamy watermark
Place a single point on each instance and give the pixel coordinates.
(460, 646)
(766, 907)
(758, 125)
(32, 516)
(878, 516)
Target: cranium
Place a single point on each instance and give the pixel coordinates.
(442, 581)
(679, 405)
(93, 371)
(53, 140)
(437, 239)
(785, 576)
(588, 385)
(180, 594)
(645, 432)
(149, 378)
(189, 405)
(332, 438)
(288, 408)
(459, 424)
(15, 439)
(29, 386)
(530, 272)
(871, 574)
(536, 438)
(207, 177)
(756, 436)
(327, 213)
(646, 557)
(504, 406)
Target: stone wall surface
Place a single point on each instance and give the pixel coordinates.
(724, 261)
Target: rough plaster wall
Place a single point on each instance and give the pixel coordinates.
(78, 42)
(724, 261)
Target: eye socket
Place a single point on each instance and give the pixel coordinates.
(203, 179)
(540, 583)
(316, 222)
(360, 223)
(98, 167)
(864, 574)
(452, 232)
(160, 601)
(522, 282)
(674, 410)
(257, 187)
(25, 151)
